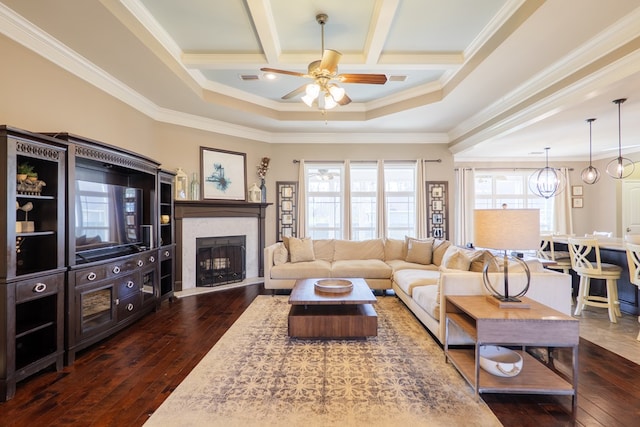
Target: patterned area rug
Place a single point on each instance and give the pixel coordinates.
(257, 376)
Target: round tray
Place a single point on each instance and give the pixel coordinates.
(334, 286)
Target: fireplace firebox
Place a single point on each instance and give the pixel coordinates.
(220, 260)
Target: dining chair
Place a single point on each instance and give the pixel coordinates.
(633, 258)
(560, 260)
(581, 249)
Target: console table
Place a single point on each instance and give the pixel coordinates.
(537, 326)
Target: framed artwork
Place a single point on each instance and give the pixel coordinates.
(287, 209)
(224, 174)
(576, 190)
(437, 209)
(576, 202)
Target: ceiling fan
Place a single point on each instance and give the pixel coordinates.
(324, 72)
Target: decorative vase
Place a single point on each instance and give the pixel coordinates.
(195, 187)
(263, 191)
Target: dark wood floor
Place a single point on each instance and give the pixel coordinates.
(122, 380)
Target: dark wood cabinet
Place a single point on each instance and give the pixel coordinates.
(107, 296)
(166, 235)
(32, 276)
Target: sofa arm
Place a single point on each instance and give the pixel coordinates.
(268, 259)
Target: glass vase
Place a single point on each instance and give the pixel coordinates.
(263, 191)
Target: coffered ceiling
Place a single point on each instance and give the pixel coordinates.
(494, 79)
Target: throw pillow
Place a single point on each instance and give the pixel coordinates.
(280, 255)
(455, 259)
(439, 248)
(301, 249)
(419, 251)
(480, 258)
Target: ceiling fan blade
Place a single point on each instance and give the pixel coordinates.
(345, 100)
(295, 92)
(330, 59)
(372, 79)
(290, 73)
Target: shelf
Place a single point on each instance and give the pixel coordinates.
(36, 233)
(32, 328)
(535, 377)
(34, 197)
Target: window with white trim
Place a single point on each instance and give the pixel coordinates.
(511, 187)
(327, 190)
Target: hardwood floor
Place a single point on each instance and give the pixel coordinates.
(122, 380)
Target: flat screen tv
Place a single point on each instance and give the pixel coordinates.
(108, 220)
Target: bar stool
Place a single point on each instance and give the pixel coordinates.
(633, 257)
(580, 249)
(561, 259)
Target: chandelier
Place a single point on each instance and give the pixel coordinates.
(547, 182)
(590, 175)
(620, 167)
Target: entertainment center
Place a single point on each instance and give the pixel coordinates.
(90, 247)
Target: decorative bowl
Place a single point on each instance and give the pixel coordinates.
(334, 286)
(500, 361)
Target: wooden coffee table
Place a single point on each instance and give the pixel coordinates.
(316, 314)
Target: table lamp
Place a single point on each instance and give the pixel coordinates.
(507, 230)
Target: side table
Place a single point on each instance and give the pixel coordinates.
(537, 326)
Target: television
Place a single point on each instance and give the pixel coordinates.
(108, 220)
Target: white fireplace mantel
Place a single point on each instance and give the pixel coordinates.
(195, 218)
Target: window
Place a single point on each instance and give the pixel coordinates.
(327, 190)
(364, 201)
(400, 200)
(324, 200)
(495, 188)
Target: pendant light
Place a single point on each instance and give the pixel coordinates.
(620, 167)
(547, 182)
(590, 175)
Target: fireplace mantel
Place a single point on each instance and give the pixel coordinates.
(217, 209)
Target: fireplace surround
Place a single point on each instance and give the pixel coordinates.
(229, 216)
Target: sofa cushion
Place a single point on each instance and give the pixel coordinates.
(428, 298)
(299, 270)
(400, 264)
(365, 268)
(364, 249)
(394, 249)
(280, 254)
(323, 249)
(439, 248)
(301, 250)
(419, 251)
(408, 280)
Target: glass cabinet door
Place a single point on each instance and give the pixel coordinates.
(97, 308)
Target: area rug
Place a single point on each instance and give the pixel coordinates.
(257, 376)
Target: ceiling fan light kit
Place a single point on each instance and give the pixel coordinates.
(620, 167)
(322, 92)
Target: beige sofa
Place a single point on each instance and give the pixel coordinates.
(421, 273)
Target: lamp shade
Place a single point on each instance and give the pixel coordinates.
(507, 229)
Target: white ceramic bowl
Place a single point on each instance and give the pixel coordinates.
(500, 361)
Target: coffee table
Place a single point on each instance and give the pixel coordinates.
(316, 314)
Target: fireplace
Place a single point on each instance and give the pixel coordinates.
(220, 260)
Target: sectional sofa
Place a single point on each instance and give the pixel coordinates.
(420, 272)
